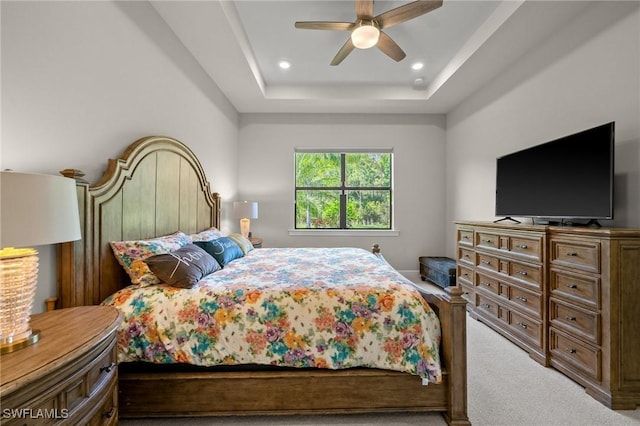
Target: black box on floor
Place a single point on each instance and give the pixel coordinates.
(439, 270)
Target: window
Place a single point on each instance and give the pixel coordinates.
(343, 189)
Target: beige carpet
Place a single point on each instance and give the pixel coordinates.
(505, 387)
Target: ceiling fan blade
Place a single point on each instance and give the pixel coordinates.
(390, 47)
(325, 25)
(343, 52)
(364, 9)
(404, 13)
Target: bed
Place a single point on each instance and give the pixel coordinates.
(287, 374)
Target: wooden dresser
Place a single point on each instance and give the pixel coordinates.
(568, 296)
(69, 376)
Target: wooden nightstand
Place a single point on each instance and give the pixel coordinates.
(69, 376)
(256, 242)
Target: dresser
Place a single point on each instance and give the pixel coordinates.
(501, 270)
(568, 296)
(69, 376)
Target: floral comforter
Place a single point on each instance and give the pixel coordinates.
(298, 307)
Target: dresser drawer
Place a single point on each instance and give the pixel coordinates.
(527, 301)
(487, 283)
(527, 328)
(526, 247)
(467, 292)
(488, 240)
(583, 255)
(466, 256)
(465, 237)
(519, 246)
(465, 275)
(107, 413)
(581, 289)
(574, 320)
(529, 274)
(102, 370)
(490, 308)
(572, 351)
(487, 262)
(95, 370)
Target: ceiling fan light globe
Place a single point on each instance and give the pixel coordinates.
(365, 36)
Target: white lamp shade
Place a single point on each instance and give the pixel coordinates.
(245, 209)
(37, 209)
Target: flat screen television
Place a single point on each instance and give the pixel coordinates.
(561, 180)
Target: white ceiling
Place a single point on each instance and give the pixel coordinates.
(463, 45)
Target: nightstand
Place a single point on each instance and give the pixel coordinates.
(70, 375)
(256, 242)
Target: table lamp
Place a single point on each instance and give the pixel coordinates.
(245, 210)
(35, 209)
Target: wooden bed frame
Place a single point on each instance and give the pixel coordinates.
(158, 186)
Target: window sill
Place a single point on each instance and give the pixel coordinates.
(344, 232)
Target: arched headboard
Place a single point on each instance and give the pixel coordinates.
(156, 187)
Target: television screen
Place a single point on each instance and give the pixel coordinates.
(570, 177)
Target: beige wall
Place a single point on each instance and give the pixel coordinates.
(82, 80)
(586, 75)
(266, 175)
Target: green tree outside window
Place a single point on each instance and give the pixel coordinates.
(343, 190)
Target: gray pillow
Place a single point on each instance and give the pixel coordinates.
(183, 267)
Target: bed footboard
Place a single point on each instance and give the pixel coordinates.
(451, 309)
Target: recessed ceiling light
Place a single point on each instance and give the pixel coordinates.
(285, 65)
(417, 66)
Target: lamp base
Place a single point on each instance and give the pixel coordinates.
(245, 226)
(13, 346)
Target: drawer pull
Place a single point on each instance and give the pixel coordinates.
(572, 254)
(486, 262)
(570, 318)
(522, 298)
(486, 305)
(572, 285)
(466, 293)
(486, 240)
(523, 246)
(108, 414)
(571, 351)
(523, 325)
(521, 272)
(465, 237)
(108, 368)
(488, 284)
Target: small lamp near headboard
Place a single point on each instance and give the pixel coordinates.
(245, 210)
(35, 210)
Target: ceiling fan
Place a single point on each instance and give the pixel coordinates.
(366, 31)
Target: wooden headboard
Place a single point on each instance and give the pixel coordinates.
(156, 187)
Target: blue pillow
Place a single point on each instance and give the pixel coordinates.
(224, 249)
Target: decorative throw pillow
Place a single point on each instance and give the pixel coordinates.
(224, 250)
(206, 235)
(131, 255)
(183, 267)
(242, 242)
